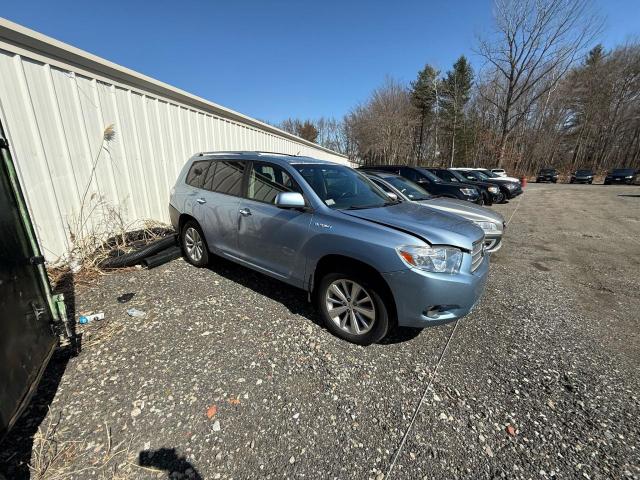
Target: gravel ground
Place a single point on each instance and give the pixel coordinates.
(229, 374)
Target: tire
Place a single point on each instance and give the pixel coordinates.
(370, 298)
(194, 245)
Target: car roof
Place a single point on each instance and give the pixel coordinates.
(381, 173)
(259, 155)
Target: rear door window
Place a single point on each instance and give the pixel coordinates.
(197, 173)
(267, 180)
(227, 177)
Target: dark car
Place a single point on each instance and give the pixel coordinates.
(508, 189)
(490, 192)
(582, 176)
(621, 176)
(547, 175)
(431, 183)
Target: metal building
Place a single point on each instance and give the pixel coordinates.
(57, 100)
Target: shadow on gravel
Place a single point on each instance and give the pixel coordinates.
(293, 298)
(16, 448)
(167, 459)
(628, 195)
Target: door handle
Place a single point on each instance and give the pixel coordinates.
(245, 212)
(201, 201)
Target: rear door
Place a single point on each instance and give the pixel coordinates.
(26, 338)
(269, 237)
(215, 202)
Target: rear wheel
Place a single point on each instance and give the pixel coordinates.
(194, 246)
(352, 307)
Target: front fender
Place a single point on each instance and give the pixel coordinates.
(357, 239)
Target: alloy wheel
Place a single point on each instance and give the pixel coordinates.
(350, 306)
(193, 244)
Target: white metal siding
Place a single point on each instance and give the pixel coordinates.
(55, 116)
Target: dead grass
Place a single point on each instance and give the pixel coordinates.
(52, 459)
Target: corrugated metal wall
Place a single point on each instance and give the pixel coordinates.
(55, 119)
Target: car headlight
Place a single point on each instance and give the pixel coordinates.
(487, 226)
(431, 259)
(629, 176)
(511, 186)
(468, 191)
(493, 189)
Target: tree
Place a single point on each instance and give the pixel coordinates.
(382, 128)
(303, 129)
(308, 131)
(424, 95)
(534, 44)
(456, 91)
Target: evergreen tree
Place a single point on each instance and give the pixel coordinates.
(424, 96)
(455, 94)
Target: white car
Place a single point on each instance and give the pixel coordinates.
(499, 171)
(490, 174)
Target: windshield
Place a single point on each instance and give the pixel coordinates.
(623, 171)
(449, 176)
(343, 188)
(488, 174)
(459, 176)
(429, 175)
(476, 175)
(409, 189)
(583, 172)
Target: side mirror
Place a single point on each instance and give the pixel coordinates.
(392, 196)
(290, 200)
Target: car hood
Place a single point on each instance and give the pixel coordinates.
(467, 210)
(434, 226)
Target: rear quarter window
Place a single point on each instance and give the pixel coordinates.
(197, 174)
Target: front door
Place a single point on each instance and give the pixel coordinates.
(26, 337)
(269, 237)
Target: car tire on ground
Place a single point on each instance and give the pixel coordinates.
(194, 245)
(363, 319)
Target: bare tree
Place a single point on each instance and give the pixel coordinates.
(382, 128)
(534, 44)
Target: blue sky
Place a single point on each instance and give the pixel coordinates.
(275, 59)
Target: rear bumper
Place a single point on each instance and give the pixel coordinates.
(174, 215)
(445, 297)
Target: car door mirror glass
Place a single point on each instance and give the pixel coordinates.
(290, 200)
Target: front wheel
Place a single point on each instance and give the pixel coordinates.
(352, 307)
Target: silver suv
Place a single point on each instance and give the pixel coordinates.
(370, 262)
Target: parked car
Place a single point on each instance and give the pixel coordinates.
(368, 261)
(508, 189)
(489, 174)
(431, 183)
(619, 176)
(547, 175)
(397, 187)
(499, 171)
(491, 193)
(582, 176)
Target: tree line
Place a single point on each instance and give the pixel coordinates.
(547, 94)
